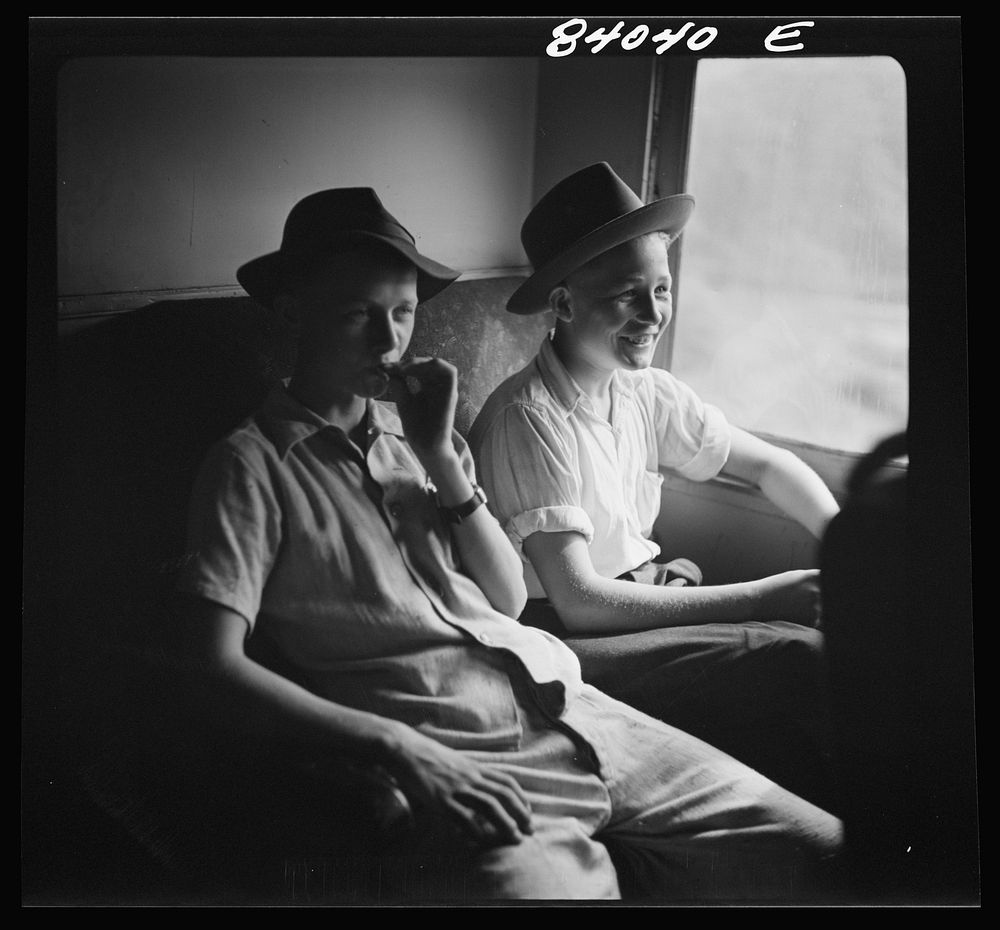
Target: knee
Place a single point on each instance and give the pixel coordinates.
(825, 834)
(807, 828)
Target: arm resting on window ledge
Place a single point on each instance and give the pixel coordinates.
(784, 479)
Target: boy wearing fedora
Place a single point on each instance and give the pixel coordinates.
(351, 534)
(570, 450)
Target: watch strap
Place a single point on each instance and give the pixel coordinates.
(460, 512)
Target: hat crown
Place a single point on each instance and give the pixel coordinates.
(574, 208)
(583, 216)
(329, 222)
(326, 216)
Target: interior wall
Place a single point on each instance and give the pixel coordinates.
(173, 171)
(591, 110)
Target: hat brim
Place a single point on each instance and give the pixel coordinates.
(668, 215)
(263, 278)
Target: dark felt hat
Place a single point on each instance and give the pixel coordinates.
(332, 221)
(583, 216)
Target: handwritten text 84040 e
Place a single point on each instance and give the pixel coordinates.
(566, 35)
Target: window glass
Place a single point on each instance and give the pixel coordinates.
(792, 303)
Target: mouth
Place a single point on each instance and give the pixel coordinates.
(388, 370)
(639, 339)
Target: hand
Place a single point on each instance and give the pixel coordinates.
(683, 573)
(484, 805)
(793, 596)
(427, 404)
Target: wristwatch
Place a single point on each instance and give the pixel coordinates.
(461, 511)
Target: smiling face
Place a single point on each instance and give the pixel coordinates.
(613, 310)
(354, 314)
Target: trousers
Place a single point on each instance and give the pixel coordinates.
(624, 807)
(756, 690)
(637, 809)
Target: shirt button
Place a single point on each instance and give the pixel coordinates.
(395, 510)
(485, 640)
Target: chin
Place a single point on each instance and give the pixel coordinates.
(636, 362)
(371, 386)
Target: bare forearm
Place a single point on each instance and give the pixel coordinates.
(784, 479)
(798, 491)
(428, 417)
(489, 559)
(587, 602)
(605, 605)
(484, 550)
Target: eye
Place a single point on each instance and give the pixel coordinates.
(404, 311)
(663, 291)
(627, 295)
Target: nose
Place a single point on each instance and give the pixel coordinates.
(382, 334)
(651, 311)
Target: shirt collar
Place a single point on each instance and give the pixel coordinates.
(563, 387)
(288, 422)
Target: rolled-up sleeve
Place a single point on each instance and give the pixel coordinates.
(526, 464)
(693, 437)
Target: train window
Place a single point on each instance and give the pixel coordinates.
(792, 303)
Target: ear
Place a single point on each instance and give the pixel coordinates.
(560, 303)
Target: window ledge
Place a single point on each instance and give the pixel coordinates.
(834, 466)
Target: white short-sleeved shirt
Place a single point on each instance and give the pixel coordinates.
(550, 463)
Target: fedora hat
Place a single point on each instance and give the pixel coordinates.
(332, 221)
(584, 215)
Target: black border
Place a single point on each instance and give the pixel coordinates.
(930, 49)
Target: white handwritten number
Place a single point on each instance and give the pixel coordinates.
(667, 37)
(707, 33)
(563, 43)
(601, 38)
(566, 36)
(635, 38)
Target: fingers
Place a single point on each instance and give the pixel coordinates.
(794, 595)
(484, 820)
(484, 804)
(427, 370)
(496, 812)
(427, 409)
(516, 801)
(806, 582)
